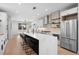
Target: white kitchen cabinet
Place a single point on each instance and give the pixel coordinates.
(56, 15)
(54, 19)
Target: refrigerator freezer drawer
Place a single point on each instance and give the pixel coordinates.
(66, 43)
(73, 45)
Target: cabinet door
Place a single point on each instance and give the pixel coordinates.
(73, 45)
(63, 29)
(66, 43)
(73, 29)
(67, 29)
(56, 15)
(62, 42)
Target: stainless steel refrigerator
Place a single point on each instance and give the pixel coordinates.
(69, 35)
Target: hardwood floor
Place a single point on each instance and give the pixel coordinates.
(62, 51)
(14, 47)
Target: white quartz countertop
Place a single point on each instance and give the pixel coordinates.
(47, 43)
(39, 36)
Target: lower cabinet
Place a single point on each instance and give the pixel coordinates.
(73, 45)
(70, 44)
(66, 43)
(62, 42)
(34, 43)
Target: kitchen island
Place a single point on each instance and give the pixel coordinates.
(46, 44)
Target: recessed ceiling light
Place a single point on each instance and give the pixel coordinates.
(46, 9)
(38, 14)
(19, 3)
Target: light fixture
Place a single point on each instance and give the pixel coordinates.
(34, 8)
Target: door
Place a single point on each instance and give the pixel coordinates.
(62, 42)
(73, 29)
(63, 29)
(67, 29)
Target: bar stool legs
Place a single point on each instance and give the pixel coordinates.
(28, 50)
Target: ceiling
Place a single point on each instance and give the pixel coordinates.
(25, 10)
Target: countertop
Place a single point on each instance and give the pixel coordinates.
(39, 36)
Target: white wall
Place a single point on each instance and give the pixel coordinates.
(14, 28)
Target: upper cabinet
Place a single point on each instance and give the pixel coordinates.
(54, 19)
(55, 15)
(69, 12)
